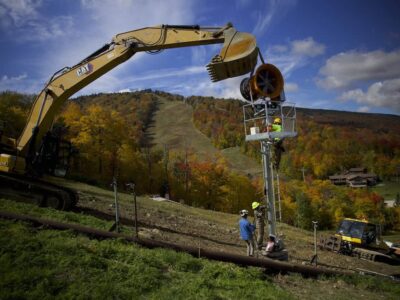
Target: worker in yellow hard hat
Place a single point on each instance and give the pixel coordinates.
(277, 125)
(259, 220)
(278, 147)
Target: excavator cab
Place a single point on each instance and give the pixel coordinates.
(358, 232)
(54, 155)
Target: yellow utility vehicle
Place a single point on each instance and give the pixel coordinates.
(358, 233)
(362, 239)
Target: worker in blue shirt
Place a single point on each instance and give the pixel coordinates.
(246, 231)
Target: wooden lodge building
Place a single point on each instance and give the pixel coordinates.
(355, 177)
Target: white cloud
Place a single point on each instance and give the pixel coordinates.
(24, 19)
(349, 68)
(363, 109)
(115, 16)
(200, 55)
(372, 79)
(291, 87)
(279, 48)
(192, 80)
(19, 83)
(187, 81)
(167, 73)
(127, 90)
(99, 21)
(226, 89)
(380, 94)
(295, 54)
(266, 15)
(162, 79)
(5, 78)
(18, 12)
(307, 47)
(264, 20)
(53, 28)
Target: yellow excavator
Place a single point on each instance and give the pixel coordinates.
(39, 151)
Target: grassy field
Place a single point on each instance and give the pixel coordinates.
(44, 264)
(40, 263)
(388, 189)
(173, 126)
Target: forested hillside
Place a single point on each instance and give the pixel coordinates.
(110, 132)
(327, 141)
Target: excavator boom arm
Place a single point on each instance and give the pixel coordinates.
(237, 57)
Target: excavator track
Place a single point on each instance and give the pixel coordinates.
(32, 190)
(335, 244)
(367, 254)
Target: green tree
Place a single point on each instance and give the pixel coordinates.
(14, 109)
(304, 211)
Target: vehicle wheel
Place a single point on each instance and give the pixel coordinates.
(53, 202)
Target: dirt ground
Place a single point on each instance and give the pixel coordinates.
(180, 224)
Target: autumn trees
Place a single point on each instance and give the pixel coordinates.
(14, 109)
(112, 143)
(319, 200)
(109, 131)
(99, 135)
(326, 143)
(108, 140)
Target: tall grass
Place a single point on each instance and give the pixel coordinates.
(44, 264)
(38, 263)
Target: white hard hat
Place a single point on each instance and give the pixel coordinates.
(244, 212)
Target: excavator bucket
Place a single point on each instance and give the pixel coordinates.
(237, 57)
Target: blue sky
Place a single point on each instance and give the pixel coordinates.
(342, 54)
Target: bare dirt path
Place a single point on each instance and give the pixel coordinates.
(180, 224)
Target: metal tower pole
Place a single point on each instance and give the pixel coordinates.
(269, 196)
(279, 196)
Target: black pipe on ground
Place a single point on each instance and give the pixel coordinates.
(268, 264)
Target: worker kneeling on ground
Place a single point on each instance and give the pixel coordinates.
(246, 231)
(275, 249)
(259, 220)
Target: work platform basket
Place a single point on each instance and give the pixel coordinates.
(259, 117)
